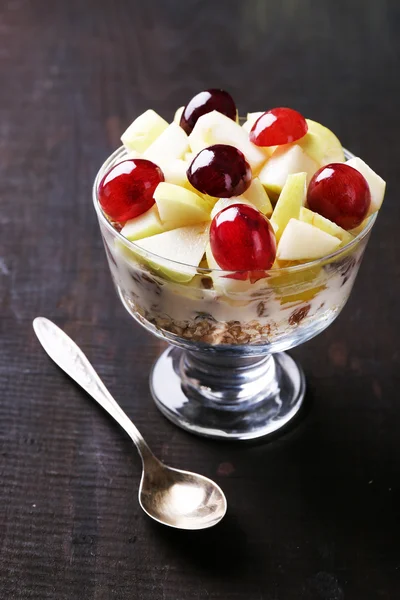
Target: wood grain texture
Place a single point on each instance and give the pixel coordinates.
(314, 514)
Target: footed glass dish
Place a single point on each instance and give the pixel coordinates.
(226, 374)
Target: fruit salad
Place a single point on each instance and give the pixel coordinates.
(222, 230)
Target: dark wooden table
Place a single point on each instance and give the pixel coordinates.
(314, 514)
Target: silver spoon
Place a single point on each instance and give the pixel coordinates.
(170, 496)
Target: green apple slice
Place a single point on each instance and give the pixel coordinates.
(178, 114)
(302, 241)
(321, 144)
(171, 144)
(216, 128)
(285, 161)
(257, 195)
(377, 185)
(185, 245)
(143, 226)
(290, 201)
(144, 130)
(178, 206)
(313, 218)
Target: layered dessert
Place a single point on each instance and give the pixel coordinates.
(234, 233)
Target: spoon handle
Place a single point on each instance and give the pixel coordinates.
(70, 358)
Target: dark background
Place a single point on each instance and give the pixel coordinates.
(313, 515)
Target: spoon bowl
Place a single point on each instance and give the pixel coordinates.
(176, 498)
(180, 499)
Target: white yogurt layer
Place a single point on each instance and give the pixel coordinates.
(155, 297)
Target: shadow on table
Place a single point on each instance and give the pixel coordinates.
(219, 550)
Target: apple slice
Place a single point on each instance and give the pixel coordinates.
(290, 201)
(215, 128)
(171, 144)
(178, 114)
(143, 226)
(225, 202)
(285, 161)
(357, 230)
(251, 119)
(185, 245)
(132, 154)
(321, 144)
(257, 195)
(178, 206)
(302, 241)
(227, 285)
(377, 185)
(313, 218)
(144, 130)
(175, 171)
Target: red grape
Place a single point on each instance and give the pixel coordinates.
(126, 191)
(205, 102)
(221, 171)
(278, 126)
(242, 239)
(339, 193)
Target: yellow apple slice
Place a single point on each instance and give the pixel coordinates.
(185, 245)
(171, 144)
(302, 241)
(175, 171)
(257, 195)
(178, 114)
(251, 119)
(227, 285)
(143, 226)
(290, 201)
(357, 230)
(189, 156)
(216, 128)
(377, 185)
(313, 218)
(321, 144)
(178, 206)
(132, 154)
(225, 202)
(285, 161)
(144, 130)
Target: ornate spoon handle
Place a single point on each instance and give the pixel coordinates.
(70, 358)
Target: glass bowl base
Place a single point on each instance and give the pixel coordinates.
(226, 397)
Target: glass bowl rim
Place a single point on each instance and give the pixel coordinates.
(203, 270)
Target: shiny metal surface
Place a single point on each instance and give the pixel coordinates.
(173, 497)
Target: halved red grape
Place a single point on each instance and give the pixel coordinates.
(126, 191)
(278, 126)
(205, 102)
(242, 239)
(221, 171)
(339, 193)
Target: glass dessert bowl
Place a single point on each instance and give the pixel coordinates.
(226, 374)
